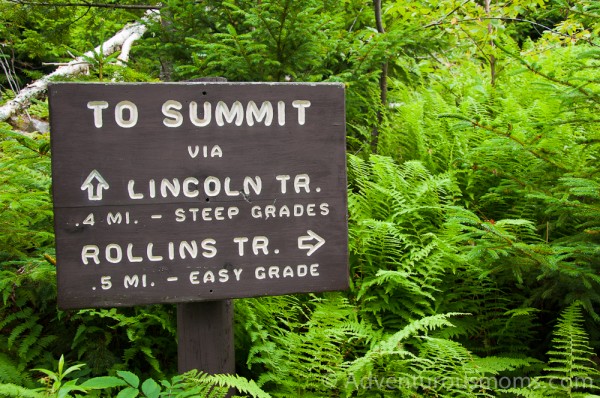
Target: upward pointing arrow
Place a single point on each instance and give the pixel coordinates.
(304, 242)
(94, 190)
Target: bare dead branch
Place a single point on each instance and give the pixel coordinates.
(88, 4)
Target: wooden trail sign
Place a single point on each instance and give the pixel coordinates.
(182, 192)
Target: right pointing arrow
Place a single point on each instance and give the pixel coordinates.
(304, 242)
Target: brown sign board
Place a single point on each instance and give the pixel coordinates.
(181, 192)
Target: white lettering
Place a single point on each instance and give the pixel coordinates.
(105, 282)
(208, 245)
(288, 272)
(274, 272)
(190, 193)
(301, 105)
(240, 241)
(130, 256)
(255, 183)
(298, 210)
(152, 188)
(216, 152)
(223, 114)
(133, 114)
(212, 191)
(129, 281)
(151, 255)
(301, 181)
(237, 272)
(193, 152)
(223, 275)
(173, 117)
(270, 211)
(167, 185)
(235, 113)
(118, 253)
(89, 220)
(171, 249)
(90, 252)
(313, 270)
(260, 243)
(284, 179)
(284, 211)
(194, 114)
(232, 212)
(208, 277)
(301, 270)
(131, 191)
(97, 106)
(265, 112)
(228, 190)
(190, 247)
(281, 113)
(114, 218)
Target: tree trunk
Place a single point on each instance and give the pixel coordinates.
(492, 57)
(382, 81)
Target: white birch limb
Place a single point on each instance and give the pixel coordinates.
(123, 58)
(122, 39)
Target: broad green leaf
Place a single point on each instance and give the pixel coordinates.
(104, 382)
(129, 392)
(150, 388)
(129, 377)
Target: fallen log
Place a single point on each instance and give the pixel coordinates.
(122, 40)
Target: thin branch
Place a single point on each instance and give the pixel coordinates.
(492, 58)
(583, 13)
(573, 121)
(88, 4)
(355, 20)
(441, 20)
(533, 23)
(475, 43)
(508, 135)
(591, 95)
(9, 72)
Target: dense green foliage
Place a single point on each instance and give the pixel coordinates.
(474, 219)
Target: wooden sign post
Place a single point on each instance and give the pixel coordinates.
(195, 192)
(205, 337)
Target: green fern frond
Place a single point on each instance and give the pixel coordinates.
(570, 371)
(12, 371)
(28, 325)
(570, 358)
(239, 383)
(15, 391)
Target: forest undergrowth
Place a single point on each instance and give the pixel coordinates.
(473, 200)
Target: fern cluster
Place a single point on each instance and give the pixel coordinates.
(474, 230)
(32, 332)
(26, 225)
(570, 370)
